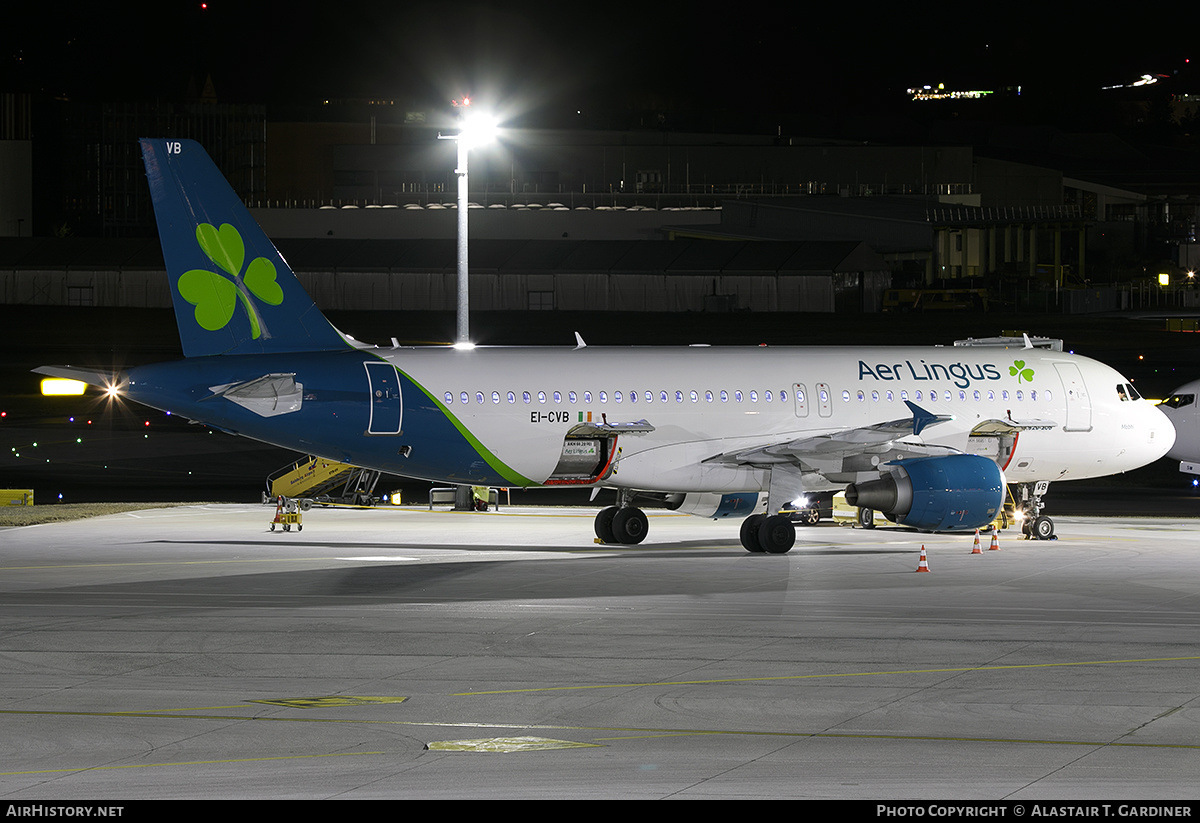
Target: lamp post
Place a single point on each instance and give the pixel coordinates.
(477, 129)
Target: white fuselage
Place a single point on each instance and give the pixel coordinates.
(704, 402)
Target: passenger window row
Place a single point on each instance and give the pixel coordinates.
(948, 395)
(647, 396)
(753, 396)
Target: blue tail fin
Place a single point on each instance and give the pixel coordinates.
(233, 292)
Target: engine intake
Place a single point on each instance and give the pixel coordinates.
(952, 493)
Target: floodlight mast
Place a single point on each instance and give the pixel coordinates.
(476, 130)
(464, 292)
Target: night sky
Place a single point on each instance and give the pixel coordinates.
(557, 64)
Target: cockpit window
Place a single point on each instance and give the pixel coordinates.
(1126, 391)
(1178, 401)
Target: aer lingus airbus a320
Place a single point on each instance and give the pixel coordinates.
(927, 436)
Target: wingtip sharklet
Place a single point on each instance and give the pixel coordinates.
(922, 418)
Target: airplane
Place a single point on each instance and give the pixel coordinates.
(1183, 412)
(928, 436)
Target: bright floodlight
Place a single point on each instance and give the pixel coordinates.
(478, 128)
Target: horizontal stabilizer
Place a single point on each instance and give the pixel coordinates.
(100, 379)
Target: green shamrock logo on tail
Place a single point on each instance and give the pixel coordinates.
(214, 295)
(1018, 370)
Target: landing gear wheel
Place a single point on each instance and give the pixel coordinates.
(866, 518)
(630, 525)
(777, 534)
(603, 525)
(749, 533)
(1043, 528)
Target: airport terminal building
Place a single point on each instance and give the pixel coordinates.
(620, 221)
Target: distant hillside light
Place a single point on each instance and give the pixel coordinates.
(1164, 279)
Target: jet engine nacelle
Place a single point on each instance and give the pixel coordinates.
(709, 504)
(952, 493)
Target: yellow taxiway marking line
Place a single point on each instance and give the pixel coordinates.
(650, 734)
(188, 763)
(166, 563)
(197, 715)
(635, 734)
(456, 550)
(632, 732)
(819, 676)
(528, 512)
(168, 711)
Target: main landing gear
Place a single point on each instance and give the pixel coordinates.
(770, 533)
(1035, 525)
(627, 524)
(774, 533)
(622, 523)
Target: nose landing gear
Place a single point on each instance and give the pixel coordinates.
(1035, 525)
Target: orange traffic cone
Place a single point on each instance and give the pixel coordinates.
(995, 547)
(923, 565)
(976, 549)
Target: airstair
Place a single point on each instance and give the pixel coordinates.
(317, 480)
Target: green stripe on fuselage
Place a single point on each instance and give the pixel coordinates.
(499, 466)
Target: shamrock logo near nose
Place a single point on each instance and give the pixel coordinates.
(214, 295)
(1018, 370)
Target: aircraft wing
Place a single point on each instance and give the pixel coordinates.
(834, 453)
(849, 455)
(818, 451)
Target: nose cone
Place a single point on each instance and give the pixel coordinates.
(1164, 439)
